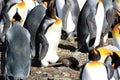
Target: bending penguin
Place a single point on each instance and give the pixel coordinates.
(90, 25)
(48, 35)
(16, 59)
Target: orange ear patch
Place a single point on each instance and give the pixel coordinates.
(58, 21)
(45, 3)
(116, 30)
(21, 5)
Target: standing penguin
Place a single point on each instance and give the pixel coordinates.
(108, 20)
(95, 70)
(33, 21)
(68, 11)
(17, 55)
(48, 35)
(109, 57)
(90, 25)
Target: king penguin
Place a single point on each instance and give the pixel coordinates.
(48, 35)
(109, 57)
(22, 9)
(108, 20)
(33, 21)
(90, 25)
(94, 70)
(16, 59)
(68, 11)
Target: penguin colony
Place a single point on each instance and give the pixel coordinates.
(30, 31)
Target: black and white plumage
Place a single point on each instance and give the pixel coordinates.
(17, 54)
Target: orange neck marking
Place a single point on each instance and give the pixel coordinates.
(94, 63)
(21, 5)
(58, 21)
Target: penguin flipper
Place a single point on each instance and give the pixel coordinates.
(41, 39)
(110, 17)
(116, 74)
(92, 28)
(110, 69)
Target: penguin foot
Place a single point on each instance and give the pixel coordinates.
(36, 62)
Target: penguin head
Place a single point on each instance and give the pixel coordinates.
(51, 12)
(94, 55)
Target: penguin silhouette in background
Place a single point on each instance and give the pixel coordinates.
(16, 59)
(68, 11)
(108, 20)
(95, 70)
(48, 35)
(90, 25)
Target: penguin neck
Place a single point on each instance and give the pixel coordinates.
(21, 5)
(118, 1)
